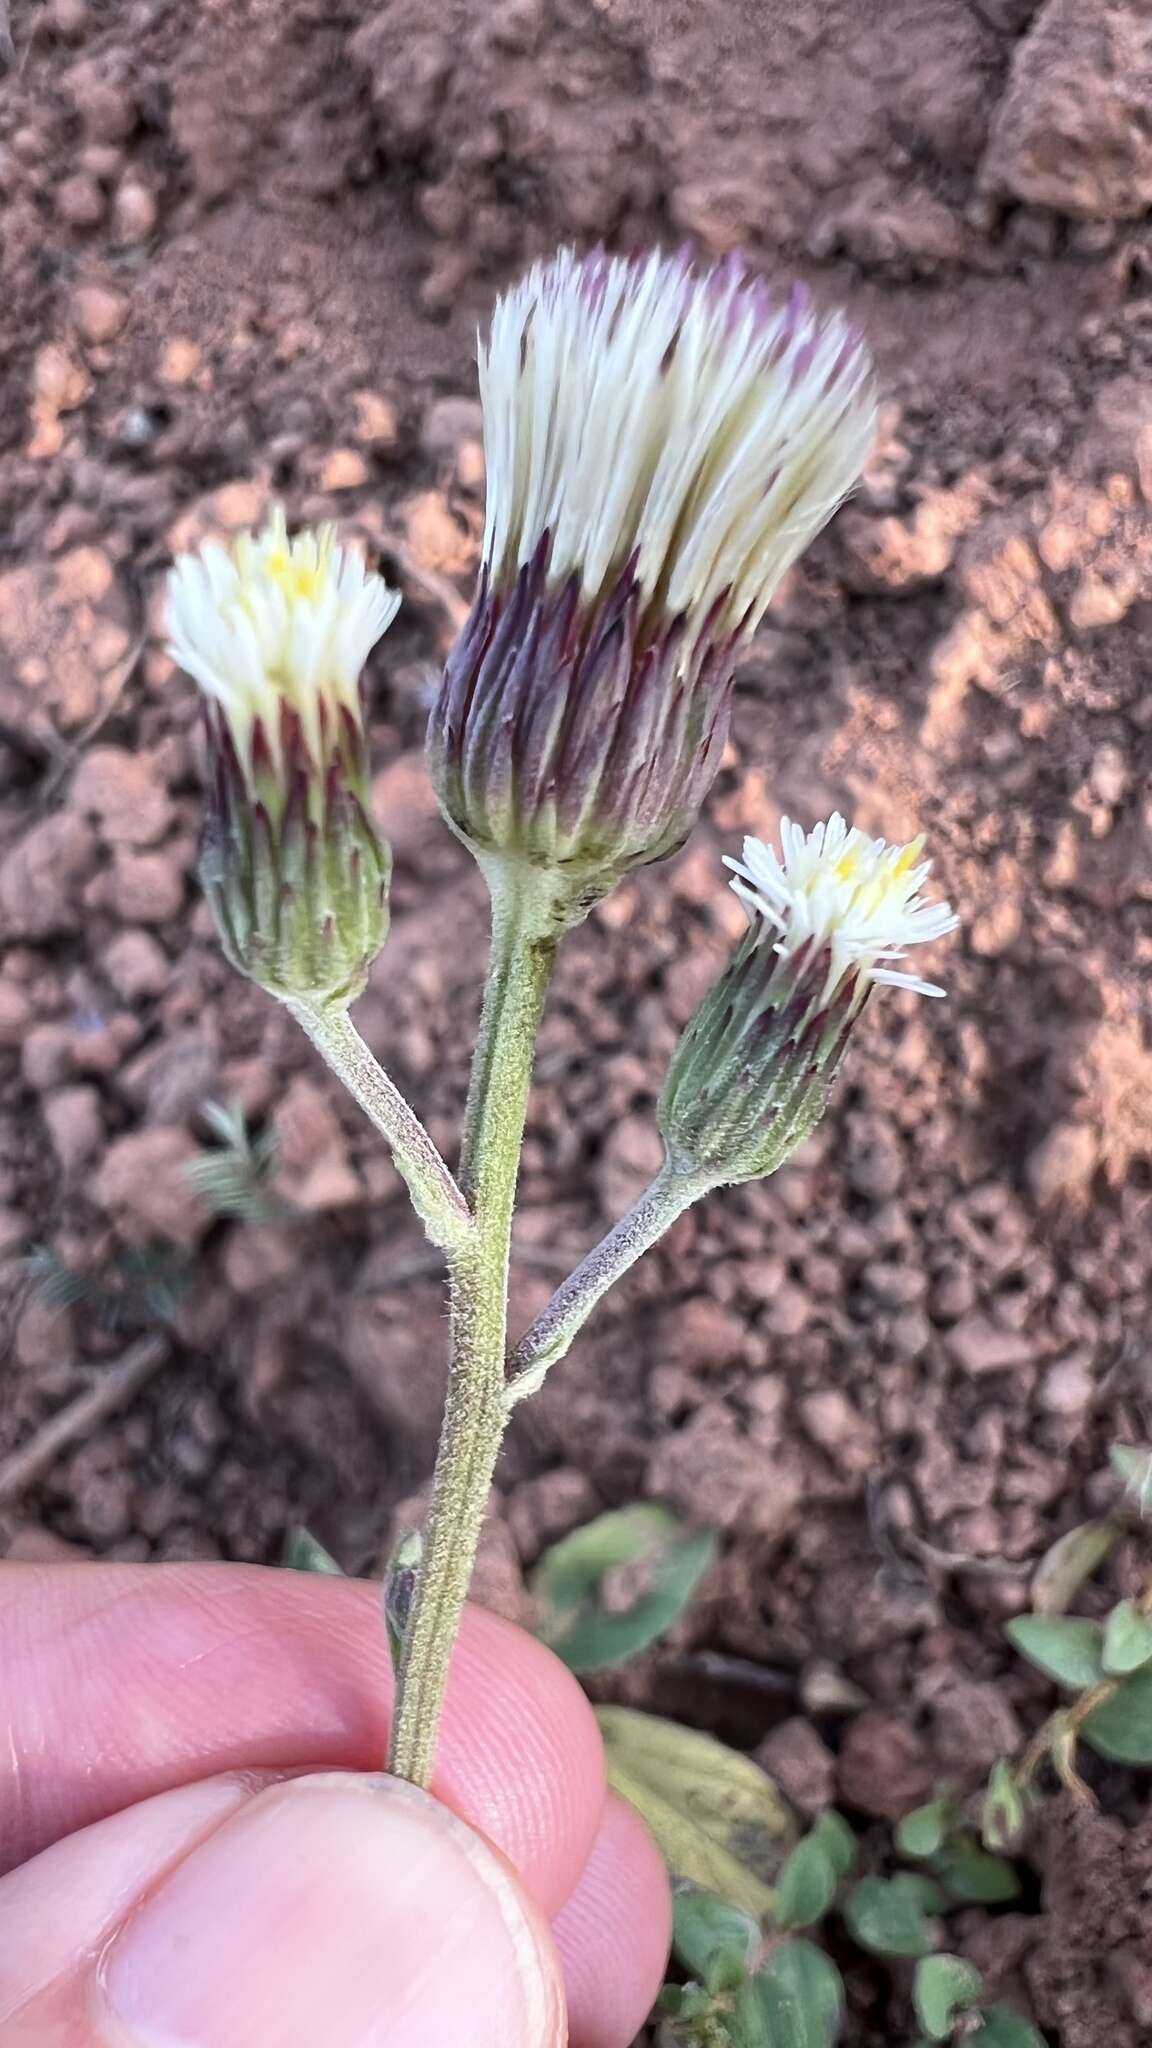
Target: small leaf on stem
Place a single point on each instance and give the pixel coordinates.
(1121, 1728)
(1127, 1639)
(1064, 1647)
(836, 1839)
(714, 1941)
(303, 1553)
(399, 1587)
(1133, 1465)
(1072, 1558)
(795, 2001)
(973, 1875)
(943, 1986)
(1003, 1816)
(806, 1885)
(894, 1916)
(922, 1831)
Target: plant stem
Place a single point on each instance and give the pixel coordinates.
(475, 1413)
(436, 1198)
(570, 1307)
(519, 970)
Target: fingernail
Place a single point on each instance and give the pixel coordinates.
(342, 1910)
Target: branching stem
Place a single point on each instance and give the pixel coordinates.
(475, 1415)
(552, 1333)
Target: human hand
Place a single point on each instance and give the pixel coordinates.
(188, 1867)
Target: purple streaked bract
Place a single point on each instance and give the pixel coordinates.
(662, 443)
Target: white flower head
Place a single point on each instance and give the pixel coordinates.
(678, 426)
(277, 624)
(859, 899)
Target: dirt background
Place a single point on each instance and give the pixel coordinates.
(245, 246)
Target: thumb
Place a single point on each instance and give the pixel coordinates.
(351, 1910)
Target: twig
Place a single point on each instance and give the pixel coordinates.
(115, 1386)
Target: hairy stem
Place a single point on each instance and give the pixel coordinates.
(570, 1307)
(475, 1412)
(436, 1198)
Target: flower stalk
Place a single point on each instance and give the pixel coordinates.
(442, 1209)
(552, 1334)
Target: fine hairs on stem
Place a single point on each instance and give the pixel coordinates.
(661, 443)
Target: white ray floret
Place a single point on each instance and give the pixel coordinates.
(860, 898)
(276, 621)
(638, 410)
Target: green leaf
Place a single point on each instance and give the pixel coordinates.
(942, 1987)
(1072, 1558)
(1134, 1467)
(1121, 1729)
(717, 1818)
(713, 1940)
(795, 2001)
(1002, 2028)
(921, 1832)
(806, 1885)
(747, 2025)
(302, 1553)
(1127, 1639)
(974, 1876)
(836, 1839)
(1004, 1813)
(891, 1916)
(569, 1584)
(1062, 1646)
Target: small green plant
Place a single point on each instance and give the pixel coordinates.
(949, 2003)
(765, 1982)
(970, 1872)
(139, 1287)
(1105, 1664)
(730, 1958)
(232, 1178)
(609, 1590)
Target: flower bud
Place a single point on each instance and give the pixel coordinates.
(276, 633)
(751, 1076)
(661, 445)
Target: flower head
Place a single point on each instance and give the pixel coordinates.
(661, 445)
(828, 916)
(847, 900)
(276, 633)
